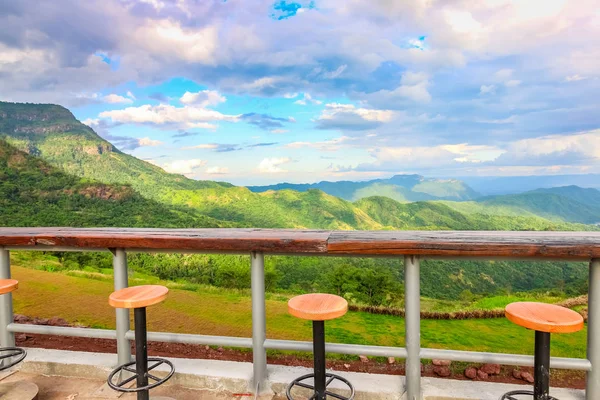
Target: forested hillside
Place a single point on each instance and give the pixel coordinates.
(568, 204)
(399, 187)
(33, 193)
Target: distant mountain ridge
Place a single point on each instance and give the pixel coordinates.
(33, 193)
(497, 185)
(399, 187)
(567, 203)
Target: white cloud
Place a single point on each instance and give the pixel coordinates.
(262, 83)
(484, 89)
(217, 170)
(574, 78)
(307, 100)
(334, 74)
(348, 117)
(203, 98)
(413, 87)
(504, 74)
(184, 167)
(580, 148)
(278, 131)
(327, 145)
(158, 5)
(91, 122)
(185, 117)
(273, 165)
(167, 38)
(433, 156)
(512, 83)
(116, 99)
(130, 95)
(204, 146)
(290, 95)
(462, 21)
(147, 142)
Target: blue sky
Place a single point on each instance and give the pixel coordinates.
(256, 92)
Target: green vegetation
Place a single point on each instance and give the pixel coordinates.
(561, 204)
(200, 310)
(33, 193)
(453, 285)
(398, 187)
(443, 215)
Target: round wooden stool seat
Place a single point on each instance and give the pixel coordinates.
(8, 285)
(138, 296)
(317, 306)
(544, 317)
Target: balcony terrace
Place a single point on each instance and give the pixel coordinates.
(223, 379)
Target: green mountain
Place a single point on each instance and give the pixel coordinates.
(590, 197)
(567, 204)
(403, 188)
(33, 193)
(434, 215)
(498, 185)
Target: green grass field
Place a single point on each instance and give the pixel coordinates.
(82, 297)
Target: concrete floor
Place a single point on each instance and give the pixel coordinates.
(64, 388)
(68, 375)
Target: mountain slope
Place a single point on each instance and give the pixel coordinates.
(398, 187)
(499, 185)
(548, 205)
(33, 193)
(52, 133)
(439, 215)
(568, 204)
(590, 197)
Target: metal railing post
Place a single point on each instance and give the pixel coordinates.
(259, 322)
(122, 314)
(412, 300)
(592, 389)
(7, 338)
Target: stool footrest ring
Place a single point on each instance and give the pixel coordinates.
(10, 352)
(118, 385)
(510, 395)
(331, 378)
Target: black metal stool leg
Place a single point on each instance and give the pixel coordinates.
(541, 373)
(541, 385)
(141, 352)
(319, 358)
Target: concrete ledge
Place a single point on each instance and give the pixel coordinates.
(234, 377)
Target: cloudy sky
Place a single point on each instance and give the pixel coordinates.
(253, 91)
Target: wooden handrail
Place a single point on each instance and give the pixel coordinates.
(501, 244)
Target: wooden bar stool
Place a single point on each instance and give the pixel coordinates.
(318, 308)
(138, 298)
(544, 319)
(11, 356)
